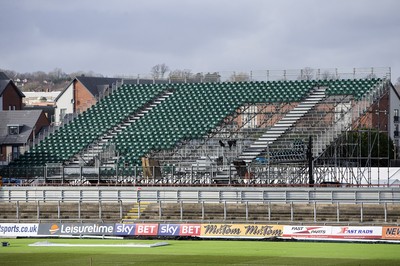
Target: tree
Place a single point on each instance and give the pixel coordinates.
(306, 74)
(57, 76)
(159, 70)
(326, 75)
(39, 76)
(370, 144)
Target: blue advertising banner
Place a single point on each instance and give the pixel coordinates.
(169, 229)
(76, 229)
(125, 229)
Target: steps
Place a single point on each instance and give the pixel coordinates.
(136, 211)
(277, 130)
(96, 149)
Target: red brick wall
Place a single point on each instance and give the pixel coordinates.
(378, 117)
(83, 98)
(42, 122)
(11, 98)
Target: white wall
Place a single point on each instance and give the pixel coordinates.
(65, 102)
(393, 104)
(1, 103)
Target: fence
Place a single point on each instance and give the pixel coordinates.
(197, 175)
(268, 75)
(200, 194)
(294, 212)
(297, 205)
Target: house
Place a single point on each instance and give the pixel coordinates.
(83, 92)
(10, 95)
(41, 101)
(17, 129)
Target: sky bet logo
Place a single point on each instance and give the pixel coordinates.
(125, 229)
(168, 230)
(179, 230)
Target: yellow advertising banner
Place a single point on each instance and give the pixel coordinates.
(241, 230)
(391, 232)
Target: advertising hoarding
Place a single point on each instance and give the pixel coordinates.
(357, 232)
(391, 232)
(58, 229)
(307, 231)
(18, 229)
(241, 230)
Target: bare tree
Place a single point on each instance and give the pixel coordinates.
(85, 73)
(159, 70)
(39, 76)
(306, 74)
(326, 75)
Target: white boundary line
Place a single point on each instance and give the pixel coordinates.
(129, 245)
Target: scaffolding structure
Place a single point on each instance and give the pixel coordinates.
(339, 140)
(327, 139)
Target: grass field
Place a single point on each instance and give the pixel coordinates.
(201, 252)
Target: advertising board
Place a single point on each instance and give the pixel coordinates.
(146, 229)
(17, 229)
(241, 230)
(306, 231)
(357, 232)
(57, 229)
(179, 229)
(391, 232)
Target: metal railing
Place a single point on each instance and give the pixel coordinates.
(62, 212)
(188, 174)
(201, 194)
(268, 75)
(293, 212)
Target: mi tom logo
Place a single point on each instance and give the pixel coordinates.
(54, 229)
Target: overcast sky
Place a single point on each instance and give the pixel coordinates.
(127, 37)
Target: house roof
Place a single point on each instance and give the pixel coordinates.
(4, 83)
(96, 85)
(27, 120)
(3, 76)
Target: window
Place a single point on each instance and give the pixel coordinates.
(13, 130)
(15, 152)
(63, 112)
(396, 115)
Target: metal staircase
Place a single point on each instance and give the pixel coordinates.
(347, 119)
(272, 134)
(277, 130)
(94, 151)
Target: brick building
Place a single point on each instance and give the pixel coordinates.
(10, 95)
(81, 94)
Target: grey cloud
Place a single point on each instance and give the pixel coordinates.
(128, 37)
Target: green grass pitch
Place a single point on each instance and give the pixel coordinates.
(201, 252)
